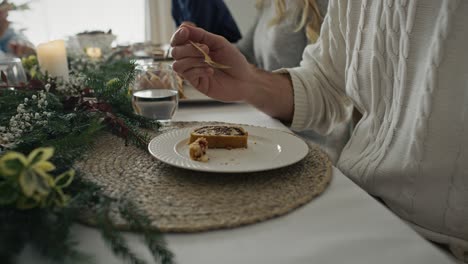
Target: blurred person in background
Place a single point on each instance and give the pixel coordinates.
(212, 15)
(12, 42)
(281, 31)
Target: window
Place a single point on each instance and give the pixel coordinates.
(59, 19)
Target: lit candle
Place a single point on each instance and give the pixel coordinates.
(52, 57)
(94, 53)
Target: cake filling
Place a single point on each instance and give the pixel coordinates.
(197, 150)
(220, 130)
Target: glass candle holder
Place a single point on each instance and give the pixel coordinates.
(155, 91)
(12, 73)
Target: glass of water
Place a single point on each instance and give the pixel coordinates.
(155, 91)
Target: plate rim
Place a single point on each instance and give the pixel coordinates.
(204, 169)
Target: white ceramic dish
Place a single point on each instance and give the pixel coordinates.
(267, 149)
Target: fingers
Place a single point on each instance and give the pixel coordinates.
(3, 14)
(181, 66)
(4, 24)
(187, 50)
(204, 85)
(180, 37)
(197, 35)
(188, 23)
(196, 75)
(20, 49)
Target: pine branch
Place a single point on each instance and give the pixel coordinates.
(111, 83)
(153, 238)
(113, 238)
(48, 232)
(134, 135)
(51, 237)
(12, 238)
(9, 100)
(71, 133)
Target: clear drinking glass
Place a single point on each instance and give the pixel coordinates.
(12, 73)
(155, 91)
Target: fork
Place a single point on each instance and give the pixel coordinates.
(208, 59)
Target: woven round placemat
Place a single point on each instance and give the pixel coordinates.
(179, 200)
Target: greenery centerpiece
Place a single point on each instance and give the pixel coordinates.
(45, 126)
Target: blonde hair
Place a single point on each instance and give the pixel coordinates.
(311, 18)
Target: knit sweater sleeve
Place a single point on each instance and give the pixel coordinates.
(320, 100)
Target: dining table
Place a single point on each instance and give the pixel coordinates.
(343, 225)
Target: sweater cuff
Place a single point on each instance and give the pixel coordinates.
(300, 99)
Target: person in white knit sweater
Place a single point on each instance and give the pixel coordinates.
(277, 39)
(403, 65)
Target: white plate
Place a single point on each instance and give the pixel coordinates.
(267, 149)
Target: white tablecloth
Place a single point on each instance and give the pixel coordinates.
(343, 225)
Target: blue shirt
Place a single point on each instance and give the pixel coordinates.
(211, 15)
(9, 36)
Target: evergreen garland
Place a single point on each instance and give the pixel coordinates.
(68, 126)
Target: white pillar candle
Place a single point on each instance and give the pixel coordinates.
(52, 57)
